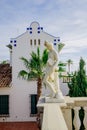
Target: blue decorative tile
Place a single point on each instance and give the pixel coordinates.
(30, 32)
(58, 39)
(15, 45)
(41, 28)
(30, 28)
(11, 41)
(15, 41)
(54, 43)
(55, 40)
(38, 28)
(27, 28)
(38, 31)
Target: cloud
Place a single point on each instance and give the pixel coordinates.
(69, 50)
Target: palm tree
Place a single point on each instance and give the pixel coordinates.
(34, 68)
(69, 62)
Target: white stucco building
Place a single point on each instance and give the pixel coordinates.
(20, 95)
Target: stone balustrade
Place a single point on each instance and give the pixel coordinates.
(74, 113)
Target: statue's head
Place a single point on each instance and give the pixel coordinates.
(48, 45)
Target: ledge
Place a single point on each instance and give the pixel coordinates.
(4, 115)
(33, 115)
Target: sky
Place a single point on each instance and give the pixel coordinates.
(66, 19)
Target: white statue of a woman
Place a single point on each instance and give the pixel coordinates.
(51, 78)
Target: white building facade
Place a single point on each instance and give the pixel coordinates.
(20, 91)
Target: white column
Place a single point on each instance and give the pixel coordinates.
(76, 120)
(68, 117)
(53, 118)
(85, 118)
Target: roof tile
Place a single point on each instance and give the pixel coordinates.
(5, 75)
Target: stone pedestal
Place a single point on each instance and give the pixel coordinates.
(54, 100)
(59, 98)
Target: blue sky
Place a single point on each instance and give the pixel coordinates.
(64, 18)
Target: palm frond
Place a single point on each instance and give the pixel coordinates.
(38, 52)
(9, 46)
(45, 57)
(34, 64)
(33, 55)
(32, 75)
(26, 62)
(23, 74)
(60, 46)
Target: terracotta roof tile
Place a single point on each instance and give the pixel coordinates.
(5, 75)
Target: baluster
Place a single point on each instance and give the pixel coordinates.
(85, 118)
(76, 120)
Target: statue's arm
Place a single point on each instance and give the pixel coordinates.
(55, 58)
